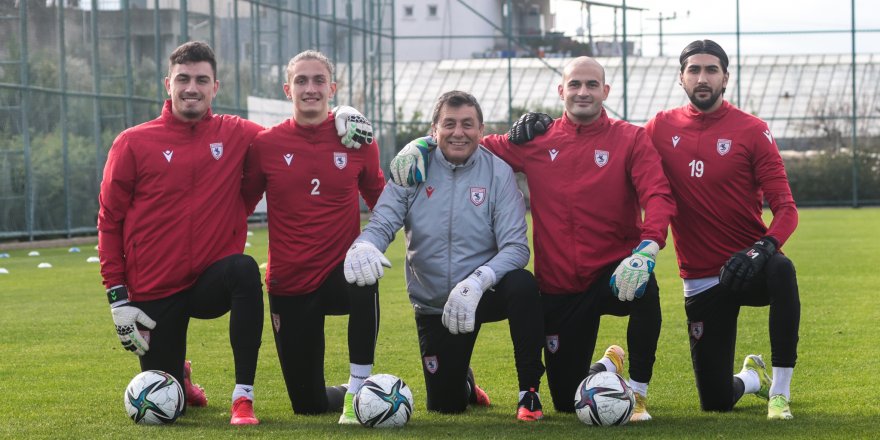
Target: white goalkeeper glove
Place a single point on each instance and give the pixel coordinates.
(126, 317)
(408, 166)
(460, 312)
(363, 264)
(631, 276)
(352, 127)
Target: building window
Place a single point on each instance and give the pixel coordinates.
(408, 11)
(432, 11)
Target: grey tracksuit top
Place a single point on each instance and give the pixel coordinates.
(461, 218)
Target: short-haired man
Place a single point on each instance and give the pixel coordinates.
(466, 249)
(722, 164)
(312, 185)
(172, 227)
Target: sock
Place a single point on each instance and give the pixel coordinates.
(243, 391)
(609, 366)
(359, 373)
(523, 393)
(750, 379)
(639, 387)
(781, 382)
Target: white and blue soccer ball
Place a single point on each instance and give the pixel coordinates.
(604, 399)
(153, 398)
(384, 401)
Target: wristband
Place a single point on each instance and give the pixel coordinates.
(116, 294)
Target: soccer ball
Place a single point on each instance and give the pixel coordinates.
(604, 399)
(384, 401)
(153, 398)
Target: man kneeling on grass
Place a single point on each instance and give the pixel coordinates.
(466, 249)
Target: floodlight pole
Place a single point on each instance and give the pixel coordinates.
(738, 64)
(855, 167)
(625, 72)
(660, 19)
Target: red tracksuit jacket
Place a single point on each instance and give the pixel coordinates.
(170, 202)
(721, 167)
(588, 187)
(311, 183)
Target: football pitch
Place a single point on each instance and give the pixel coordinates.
(63, 371)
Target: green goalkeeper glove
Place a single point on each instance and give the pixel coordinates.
(408, 168)
(631, 277)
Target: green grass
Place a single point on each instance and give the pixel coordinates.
(62, 369)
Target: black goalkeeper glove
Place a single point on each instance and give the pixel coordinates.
(745, 264)
(529, 126)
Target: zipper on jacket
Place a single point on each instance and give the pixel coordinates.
(449, 232)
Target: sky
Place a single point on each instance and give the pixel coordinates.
(716, 20)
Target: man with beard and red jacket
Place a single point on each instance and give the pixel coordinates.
(722, 164)
(171, 230)
(312, 185)
(590, 177)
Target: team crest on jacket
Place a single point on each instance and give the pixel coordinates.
(340, 160)
(478, 195)
(696, 330)
(723, 146)
(601, 157)
(552, 343)
(431, 364)
(217, 150)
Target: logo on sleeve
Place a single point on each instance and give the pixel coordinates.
(168, 154)
(768, 136)
(601, 157)
(478, 196)
(288, 158)
(723, 146)
(552, 343)
(217, 150)
(553, 152)
(675, 140)
(340, 160)
(431, 364)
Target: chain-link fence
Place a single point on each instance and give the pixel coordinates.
(75, 73)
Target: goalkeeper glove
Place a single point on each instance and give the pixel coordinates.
(409, 165)
(745, 264)
(363, 264)
(126, 317)
(352, 127)
(460, 311)
(631, 276)
(528, 127)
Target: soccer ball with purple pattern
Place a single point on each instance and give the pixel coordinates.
(604, 399)
(384, 401)
(153, 398)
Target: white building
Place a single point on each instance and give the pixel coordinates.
(449, 29)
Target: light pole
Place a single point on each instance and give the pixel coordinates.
(660, 19)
